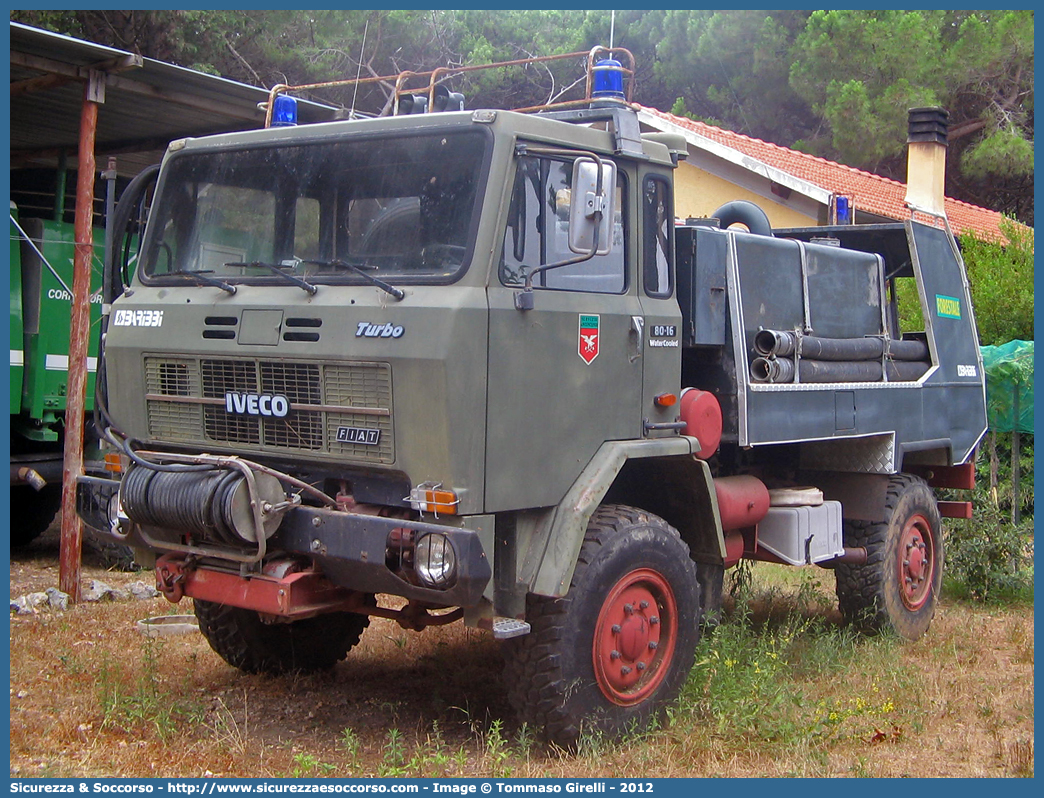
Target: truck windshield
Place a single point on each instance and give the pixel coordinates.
(401, 209)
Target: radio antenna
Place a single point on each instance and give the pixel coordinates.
(358, 72)
(612, 29)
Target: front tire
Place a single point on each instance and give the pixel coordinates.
(107, 552)
(246, 642)
(610, 654)
(898, 588)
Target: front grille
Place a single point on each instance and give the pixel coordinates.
(187, 404)
(298, 382)
(223, 426)
(174, 379)
(221, 376)
(171, 377)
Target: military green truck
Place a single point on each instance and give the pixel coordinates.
(467, 366)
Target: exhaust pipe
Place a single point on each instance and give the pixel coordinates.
(850, 556)
(24, 474)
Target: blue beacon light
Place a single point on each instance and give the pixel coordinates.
(284, 113)
(608, 80)
(844, 212)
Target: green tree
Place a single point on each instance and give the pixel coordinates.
(490, 36)
(861, 70)
(728, 67)
(1001, 278)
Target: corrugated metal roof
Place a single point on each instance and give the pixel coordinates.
(146, 106)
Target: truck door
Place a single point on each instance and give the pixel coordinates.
(566, 375)
(661, 354)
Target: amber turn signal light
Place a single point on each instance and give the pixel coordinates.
(665, 400)
(434, 499)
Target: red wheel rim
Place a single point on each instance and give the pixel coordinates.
(916, 560)
(634, 637)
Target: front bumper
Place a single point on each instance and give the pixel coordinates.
(349, 549)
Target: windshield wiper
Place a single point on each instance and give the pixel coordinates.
(200, 278)
(277, 268)
(398, 293)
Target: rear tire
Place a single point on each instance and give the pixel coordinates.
(608, 656)
(898, 588)
(246, 642)
(33, 512)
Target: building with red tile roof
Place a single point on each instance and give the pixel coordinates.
(789, 184)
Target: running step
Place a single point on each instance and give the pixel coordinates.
(505, 628)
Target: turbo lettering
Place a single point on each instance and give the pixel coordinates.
(388, 330)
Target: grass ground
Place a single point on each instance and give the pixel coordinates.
(780, 689)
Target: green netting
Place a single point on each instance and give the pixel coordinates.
(1009, 368)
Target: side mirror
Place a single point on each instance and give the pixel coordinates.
(591, 210)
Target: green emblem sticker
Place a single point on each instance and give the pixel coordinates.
(947, 307)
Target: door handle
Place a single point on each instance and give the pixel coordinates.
(636, 335)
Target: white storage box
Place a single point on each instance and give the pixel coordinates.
(802, 535)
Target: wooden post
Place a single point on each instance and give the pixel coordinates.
(79, 332)
(994, 467)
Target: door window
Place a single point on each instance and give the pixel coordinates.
(537, 233)
(656, 247)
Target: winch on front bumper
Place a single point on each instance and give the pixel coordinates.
(316, 560)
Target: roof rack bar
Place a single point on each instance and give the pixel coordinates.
(435, 76)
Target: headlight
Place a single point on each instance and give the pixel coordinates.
(435, 561)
